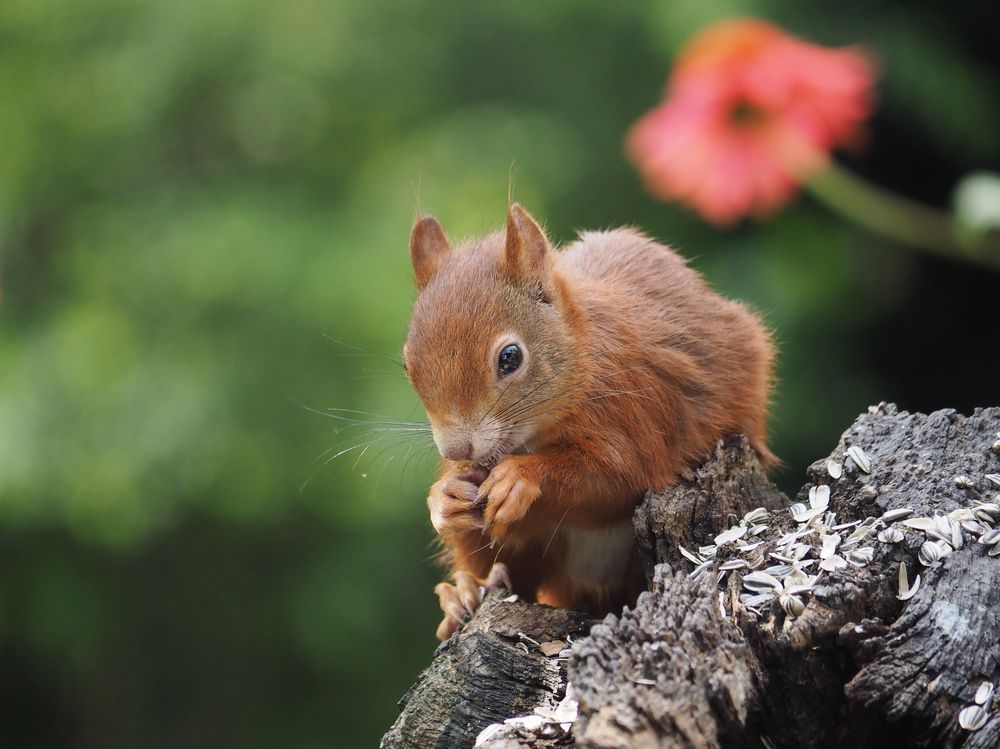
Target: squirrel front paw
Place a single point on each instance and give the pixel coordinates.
(462, 599)
(508, 492)
(452, 503)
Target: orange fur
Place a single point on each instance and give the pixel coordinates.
(633, 369)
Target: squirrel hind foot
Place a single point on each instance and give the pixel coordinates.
(461, 600)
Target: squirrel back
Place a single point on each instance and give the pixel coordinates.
(688, 365)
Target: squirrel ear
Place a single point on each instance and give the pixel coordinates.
(527, 248)
(428, 246)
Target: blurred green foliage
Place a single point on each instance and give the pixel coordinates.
(204, 209)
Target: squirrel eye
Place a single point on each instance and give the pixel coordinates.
(509, 360)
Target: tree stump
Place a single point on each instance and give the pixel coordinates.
(789, 630)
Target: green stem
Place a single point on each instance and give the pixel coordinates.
(901, 219)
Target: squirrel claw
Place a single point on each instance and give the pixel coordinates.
(452, 505)
(508, 494)
(461, 600)
(498, 579)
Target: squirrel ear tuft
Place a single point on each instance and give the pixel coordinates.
(526, 251)
(428, 247)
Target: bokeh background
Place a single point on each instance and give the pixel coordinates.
(204, 209)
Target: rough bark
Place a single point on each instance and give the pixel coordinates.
(493, 669)
(693, 665)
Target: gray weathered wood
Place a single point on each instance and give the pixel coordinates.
(489, 671)
(687, 667)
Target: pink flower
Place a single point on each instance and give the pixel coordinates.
(750, 112)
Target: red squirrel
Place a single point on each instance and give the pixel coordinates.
(560, 386)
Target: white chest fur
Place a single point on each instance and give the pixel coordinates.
(597, 559)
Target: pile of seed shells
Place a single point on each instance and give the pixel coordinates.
(547, 722)
(975, 716)
(819, 544)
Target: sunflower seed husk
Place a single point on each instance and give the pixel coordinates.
(734, 564)
(845, 526)
(919, 524)
(984, 693)
(694, 558)
(833, 563)
(818, 512)
(830, 543)
(802, 514)
(835, 468)
(906, 591)
(552, 730)
(567, 710)
(798, 551)
(806, 586)
(990, 538)
(700, 569)
(860, 458)
(792, 604)
(778, 570)
(819, 497)
(991, 508)
(862, 556)
(930, 553)
(859, 535)
(964, 482)
(794, 535)
(944, 525)
(935, 534)
(975, 527)
(957, 536)
(748, 547)
(993, 478)
(758, 599)
(891, 516)
(994, 551)
(972, 718)
(755, 516)
(761, 581)
(962, 513)
(733, 534)
(707, 552)
(533, 641)
(891, 536)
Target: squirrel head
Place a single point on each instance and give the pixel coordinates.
(491, 346)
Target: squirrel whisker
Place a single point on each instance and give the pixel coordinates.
(504, 411)
(362, 353)
(499, 397)
(366, 445)
(554, 532)
(585, 400)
